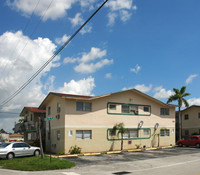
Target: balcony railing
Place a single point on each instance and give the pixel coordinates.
(30, 126)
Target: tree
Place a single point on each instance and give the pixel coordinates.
(121, 130)
(2, 131)
(179, 96)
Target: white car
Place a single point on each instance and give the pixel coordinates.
(17, 149)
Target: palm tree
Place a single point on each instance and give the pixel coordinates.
(179, 96)
(121, 130)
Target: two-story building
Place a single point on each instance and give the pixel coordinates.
(87, 121)
(30, 125)
(190, 120)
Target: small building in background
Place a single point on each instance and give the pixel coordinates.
(190, 121)
(16, 138)
(30, 125)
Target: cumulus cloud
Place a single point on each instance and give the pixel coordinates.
(17, 66)
(194, 101)
(143, 88)
(190, 78)
(52, 9)
(90, 62)
(161, 93)
(62, 40)
(136, 69)
(140, 87)
(121, 8)
(80, 87)
(77, 21)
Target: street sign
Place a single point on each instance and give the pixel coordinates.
(48, 118)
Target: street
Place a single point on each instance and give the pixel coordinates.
(176, 161)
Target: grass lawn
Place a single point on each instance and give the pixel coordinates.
(35, 164)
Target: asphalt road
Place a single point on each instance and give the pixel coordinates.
(172, 161)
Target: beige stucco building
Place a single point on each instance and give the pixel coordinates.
(190, 120)
(87, 121)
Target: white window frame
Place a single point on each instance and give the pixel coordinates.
(83, 134)
(83, 106)
(164, 132)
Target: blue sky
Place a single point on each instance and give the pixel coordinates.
(150, 45)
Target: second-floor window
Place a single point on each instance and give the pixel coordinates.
(186, 117)
(164, 111)
(199, 115)
(83, 106)
(49, 110)
(58, 107)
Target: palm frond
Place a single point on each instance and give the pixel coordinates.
(183, 89)
(186, 94)
(185, 103)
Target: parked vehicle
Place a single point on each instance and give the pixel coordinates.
(193, 140)
(17, 149)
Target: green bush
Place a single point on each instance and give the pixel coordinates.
(75, 150)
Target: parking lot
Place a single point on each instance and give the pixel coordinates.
(132, 156)
(176, 161)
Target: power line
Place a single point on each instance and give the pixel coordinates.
(50, 59)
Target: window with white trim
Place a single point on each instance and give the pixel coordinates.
(127, 109)
(131, 133)
(83, 134)
(164, 132)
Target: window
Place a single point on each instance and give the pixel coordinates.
(31, 117)
(58, 107)
(83, 106)
(58, 135)
(164, 111)
(164, 132)
(130, 109)
(130, 134)
(199, 115)
(186, 132)
(186, 117)
(146, 109)
(83, 134)
(49, 110)
(146, 131)
(112, 107)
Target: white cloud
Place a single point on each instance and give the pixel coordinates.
(62, 40)
(85, 68)
(111, 18)
(52, 11)
(121, 8)
(108, 75)
(88, 62)
(80, 87)
(161, 93)
(194, 101)
(143, 88)
(190, 78)
(125, 15)
(77, 20)
(16, 67)
(136, 69)
(119, 4)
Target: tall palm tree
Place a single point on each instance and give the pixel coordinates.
(179, 96)
(121, 130)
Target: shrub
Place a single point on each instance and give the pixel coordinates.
(75, 150)
(137, 146)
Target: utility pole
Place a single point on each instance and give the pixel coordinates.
(41, 147)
